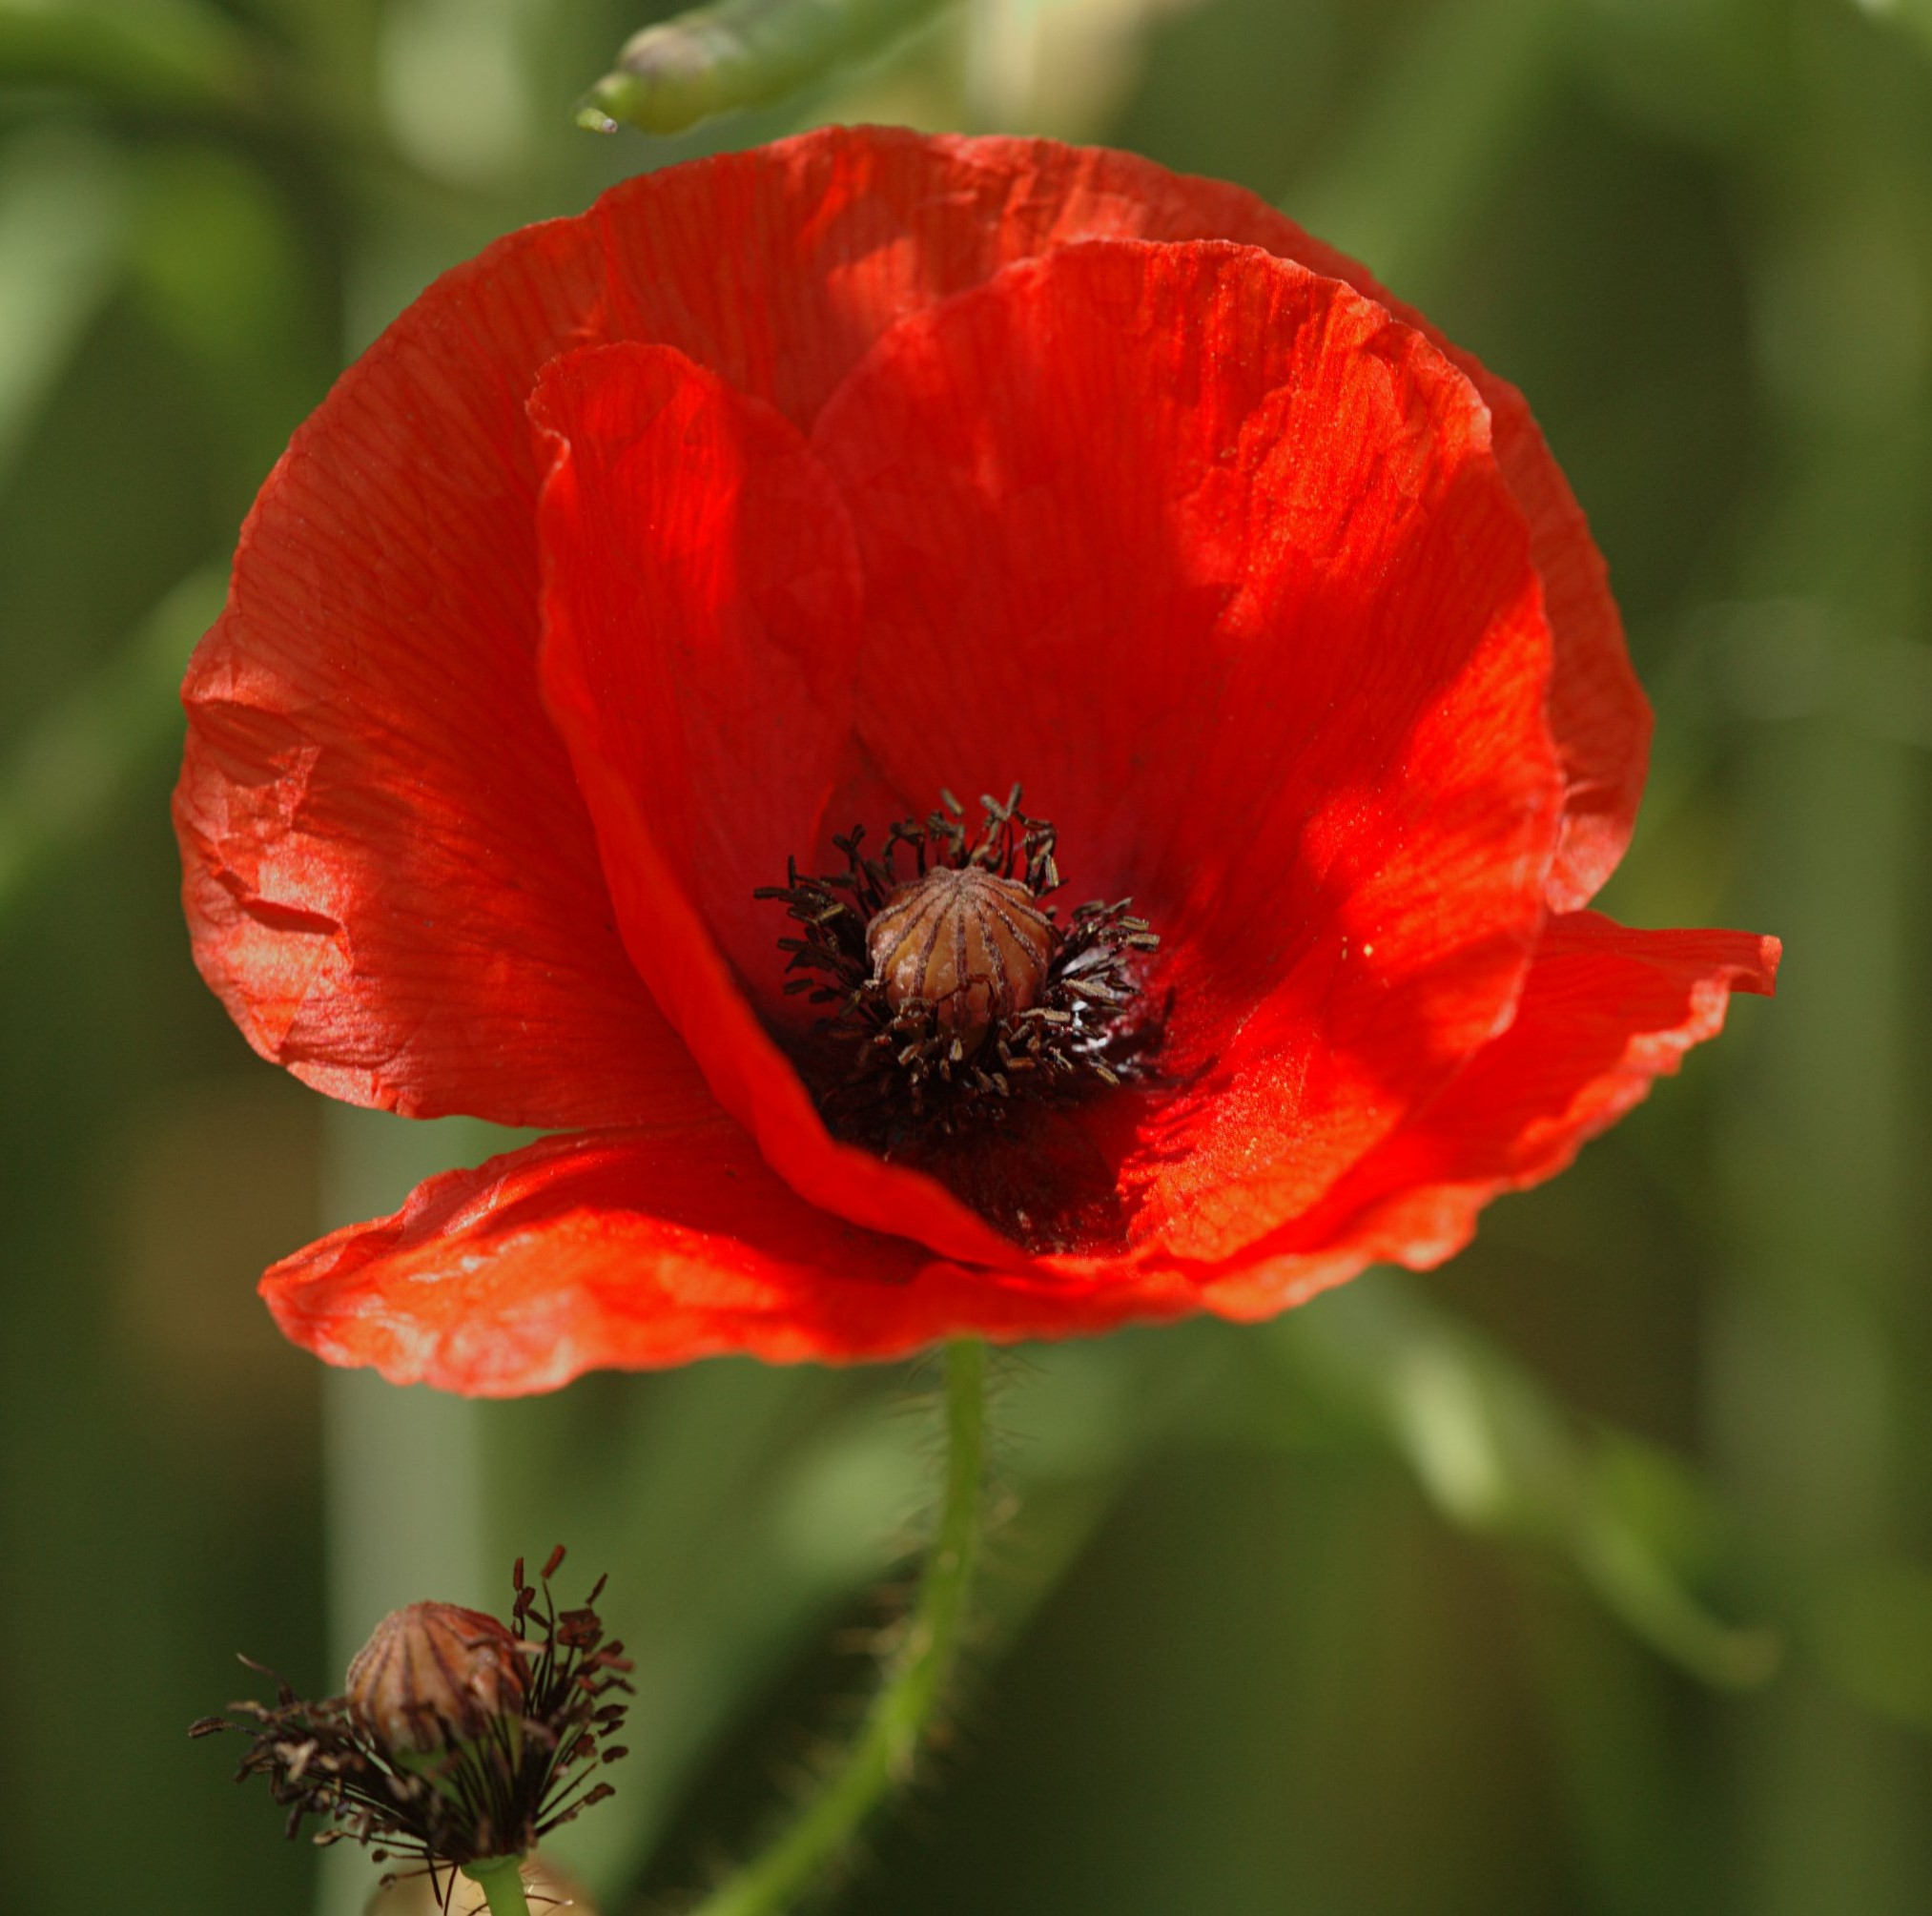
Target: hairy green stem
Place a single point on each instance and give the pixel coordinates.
(881, 1756)
(501, 1879)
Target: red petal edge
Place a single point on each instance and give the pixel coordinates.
(628, 1250)
(1606, 1012)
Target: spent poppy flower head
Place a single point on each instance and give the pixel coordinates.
(595, 653)
(459, 1740)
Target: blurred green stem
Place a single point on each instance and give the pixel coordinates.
(881, 1756)
(501, 1878)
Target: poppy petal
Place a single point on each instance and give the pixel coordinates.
(631, 1250)
(884, 222)
(389, 875)
(1597, 710)
(1606, 1011)
(1212, 554)
(700, 612)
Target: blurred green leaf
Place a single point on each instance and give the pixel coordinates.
(455, 85)
(1705, 72)
(1497, 1455)
(739, 53)
(78, 757)
(817, 1522)
(1914, 17)
(1871, 1628)
(63, 219)
(220, 268)
(168, 53)
(1400, 190)
(216, 255)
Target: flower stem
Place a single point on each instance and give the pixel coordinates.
(881, 1756)
(501, 1881)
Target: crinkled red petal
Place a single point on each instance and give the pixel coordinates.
(1607, 1010)
(390, 876)
(1597, 710)
(630, 1250)
(1213, 555)
(778, 268)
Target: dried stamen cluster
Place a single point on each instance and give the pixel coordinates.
(460, 1738)
(954, 990)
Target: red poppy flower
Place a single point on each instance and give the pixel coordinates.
(780, 493)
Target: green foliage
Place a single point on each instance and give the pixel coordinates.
(131, 53)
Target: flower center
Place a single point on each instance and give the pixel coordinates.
(955, 993)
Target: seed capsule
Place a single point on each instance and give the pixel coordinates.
(973, 945)
(435, 1673)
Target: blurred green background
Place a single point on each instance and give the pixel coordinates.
(1592, 1574)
